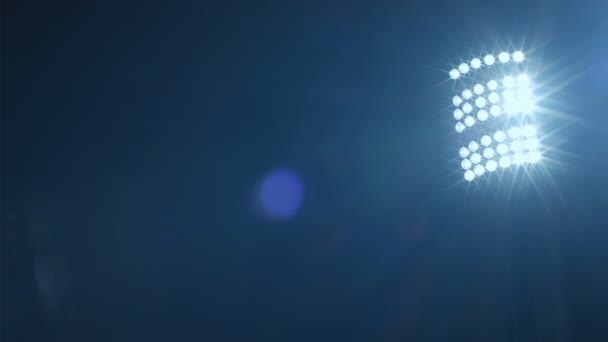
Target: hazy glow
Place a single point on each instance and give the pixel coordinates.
(467, 94)
(508, 81)
(480, 102)
(478, 89)
(516, 146)
(504, 162)
(518, 158)
(473, 146)
(466, 164)
(479, 170)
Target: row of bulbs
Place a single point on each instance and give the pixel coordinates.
(476, 63)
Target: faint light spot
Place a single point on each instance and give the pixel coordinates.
(281, 194)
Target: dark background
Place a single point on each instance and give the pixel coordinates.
(142, 129)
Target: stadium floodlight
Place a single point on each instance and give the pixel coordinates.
(495, 114)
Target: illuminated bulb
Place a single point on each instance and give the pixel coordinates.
(469, 175)
(478, 89)
(475, 158)
(491, 165)
(463, 68)
(503, 57)
(459, 127)
(518, 56)
(500, 136)
(456, 100)
(454, 74)
(482, 115)
(486, 140)
(466, 164)
(464, 152)
(458, 114)
(469, 121)
(475, 63)
(488, 59)
(492, 85)
(479, 170)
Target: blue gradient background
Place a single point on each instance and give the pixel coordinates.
(153, 123)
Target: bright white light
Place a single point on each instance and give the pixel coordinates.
(469, 121)
(488, 59)
(478, 89)
(466, 94)
(504, 162)
(466, 164)
(459, 127)
(488, 152)
(475, 63)
(492, 85)
(523, 80)
(531, 144)
(473, 146)
(500, 136)
(516, 146)
(495, 110)
(508, 81)
(454, 74)
(502, 149)
(518, 56)
(533, 157)
(494, 98)
(480, 102)
(529, 131)
(482, 115)
(479, 170)
(486, 140)
(464, 152)
(456, 100)
(503, 57)
(475, 158)
(469, 175)
(458, 114)
(518, 158)
(463, 68)
(508, 95)
(514, 132)
(491, 165)
(467, 108)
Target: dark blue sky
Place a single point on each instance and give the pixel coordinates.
(151, 125)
